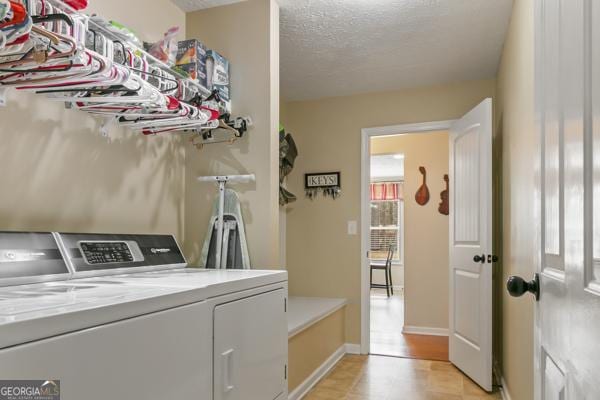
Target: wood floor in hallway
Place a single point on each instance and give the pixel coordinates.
(387, 321)
(390, 378)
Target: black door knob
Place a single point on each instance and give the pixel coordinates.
(479, 258)
(518, 286)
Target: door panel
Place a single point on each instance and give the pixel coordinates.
(567, 349)
(466, 287)
(553, 380)
(552, 144)
(552, 190)
(250, 348)
(593, 156)
(471, 235)
(467, 189)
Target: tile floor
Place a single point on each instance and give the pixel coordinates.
(387, 320)
(389, 378)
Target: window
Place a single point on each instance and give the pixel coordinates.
(387, 211)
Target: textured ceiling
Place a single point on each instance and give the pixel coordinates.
(195, 5)
(342, 47)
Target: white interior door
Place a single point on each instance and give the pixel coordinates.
(567, 344)
(471, 244)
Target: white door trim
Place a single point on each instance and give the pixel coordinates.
(365, 210)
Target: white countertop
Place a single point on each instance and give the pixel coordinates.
(306, 311)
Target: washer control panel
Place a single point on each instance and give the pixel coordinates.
(96, 254)
(106, 252)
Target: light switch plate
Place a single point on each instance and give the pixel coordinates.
(352, 228)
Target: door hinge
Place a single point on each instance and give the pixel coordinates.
(285, 372)
(285, 305)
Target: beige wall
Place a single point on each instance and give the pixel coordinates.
(148, 19)
(65, 176)
(247, 34)
(309, 349)
(322, 259)
(58, 173)
(425, 229)
(515, 137)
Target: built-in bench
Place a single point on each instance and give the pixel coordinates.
(317, 340)
(304, 312)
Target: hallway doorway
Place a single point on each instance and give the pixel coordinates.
(399, 165)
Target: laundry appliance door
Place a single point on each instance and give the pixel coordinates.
(163, 355)
(250, 348)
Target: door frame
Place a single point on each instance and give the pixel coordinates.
(365, 211)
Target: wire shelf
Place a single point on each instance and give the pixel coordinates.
(151, 59)
(156, 107)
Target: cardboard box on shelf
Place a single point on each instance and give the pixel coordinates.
(191, 51)
(196, 72)
(191, 57)
(217, 68)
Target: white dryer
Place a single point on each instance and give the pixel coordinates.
(96, 341)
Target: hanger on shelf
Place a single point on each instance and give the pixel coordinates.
(78, 67)
(44, 19)
(55, 51)
(224, 130)
(5, 11)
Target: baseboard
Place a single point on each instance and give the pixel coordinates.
(303, 389)
(504, 390)
(352, 348)
(500, 379)
(423, 330)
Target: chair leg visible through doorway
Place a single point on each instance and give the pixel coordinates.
(387, 283)
(391, 281)
(387, 269)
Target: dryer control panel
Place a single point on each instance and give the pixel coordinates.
(95, 254)
(106, 252)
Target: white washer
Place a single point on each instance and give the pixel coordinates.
(102, 340)
(247, 308)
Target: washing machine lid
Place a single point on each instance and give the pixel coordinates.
(29, 257)
(41, 300)
(39, 311)
(91, 254)
(212, 282)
